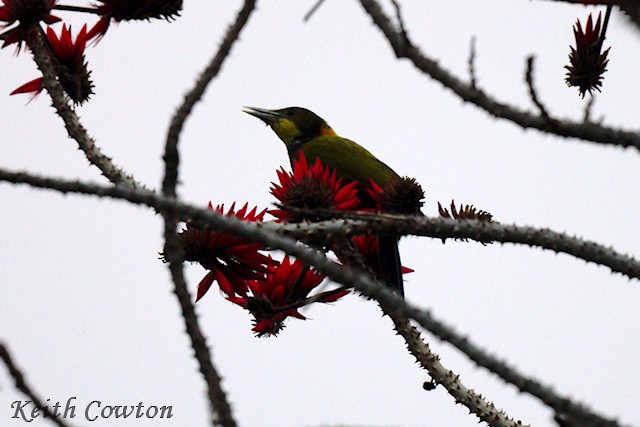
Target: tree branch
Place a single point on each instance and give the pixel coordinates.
(221, 413)
(75, 129)
(22, 385)
(267, 234)
(403, 48)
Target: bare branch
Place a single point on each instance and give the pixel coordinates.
(75, 129)
(171, 157)
(221, 413)
(403, 48)
(587, 108)
(532, 90)
(22, 385)
(630, 8)
(476, 403)
(267, 233)
(313, 10)
(80, 9)
(440, 228)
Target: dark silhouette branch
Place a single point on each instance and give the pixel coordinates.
(268, 234)
(221, 413)
(404, 48)
(532, 90)
(75, 129)
(21, 384)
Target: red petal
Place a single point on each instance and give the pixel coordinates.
(99, 30)
(32, 86)
(204, 285)
(407, 270)
(335, 297)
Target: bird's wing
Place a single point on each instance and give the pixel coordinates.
(348, 158)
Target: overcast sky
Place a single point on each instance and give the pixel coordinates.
(86, 306)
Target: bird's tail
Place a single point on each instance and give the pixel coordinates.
(390, 265)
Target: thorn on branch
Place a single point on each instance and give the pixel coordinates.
(532, 91)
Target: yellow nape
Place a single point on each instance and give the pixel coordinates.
(326, 130)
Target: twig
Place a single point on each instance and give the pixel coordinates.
(267, 234)
(605, 25)
(171, 157)
(313, 10)
(221, 413)
(81, 9)
(561, 127)
(22, 385)
(472, 63)
(375, 223)
(587, 108)
(532, 90)
(75, 129)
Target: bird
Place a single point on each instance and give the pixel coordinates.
(302, 130)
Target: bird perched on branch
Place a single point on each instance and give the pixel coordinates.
(303, 131)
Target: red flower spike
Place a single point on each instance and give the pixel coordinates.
(312, 187)
(230, 259)
(127, 10)
(279, 295)
(587, 61)
(70, 66)
(28, 13)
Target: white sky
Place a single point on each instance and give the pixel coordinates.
(86, 306)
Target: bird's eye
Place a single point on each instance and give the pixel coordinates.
(290, 113)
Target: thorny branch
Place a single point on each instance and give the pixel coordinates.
(532, 90)
(404, 48)
(221, 413)
(21, 384)
(72, 123)
(267, 233)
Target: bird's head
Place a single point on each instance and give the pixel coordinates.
(293, 125)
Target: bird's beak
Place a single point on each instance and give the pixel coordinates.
(268, 116)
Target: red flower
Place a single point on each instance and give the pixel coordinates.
(587, 62)
(312, 187)
(69, 60)
(231, 259)
(126, 10)
(367, 246)
(399, 196)
(28, 13)
(280, 294)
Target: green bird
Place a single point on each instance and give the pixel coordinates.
(302, 130)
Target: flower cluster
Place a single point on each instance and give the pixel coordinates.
(281, 293)
(465, 212)
(70, 65)
(272, 290)
(402, 196)
(587, 61)
(26, 13)
(309, 188)
(66, 54)
(269, 289)
(230, 259)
